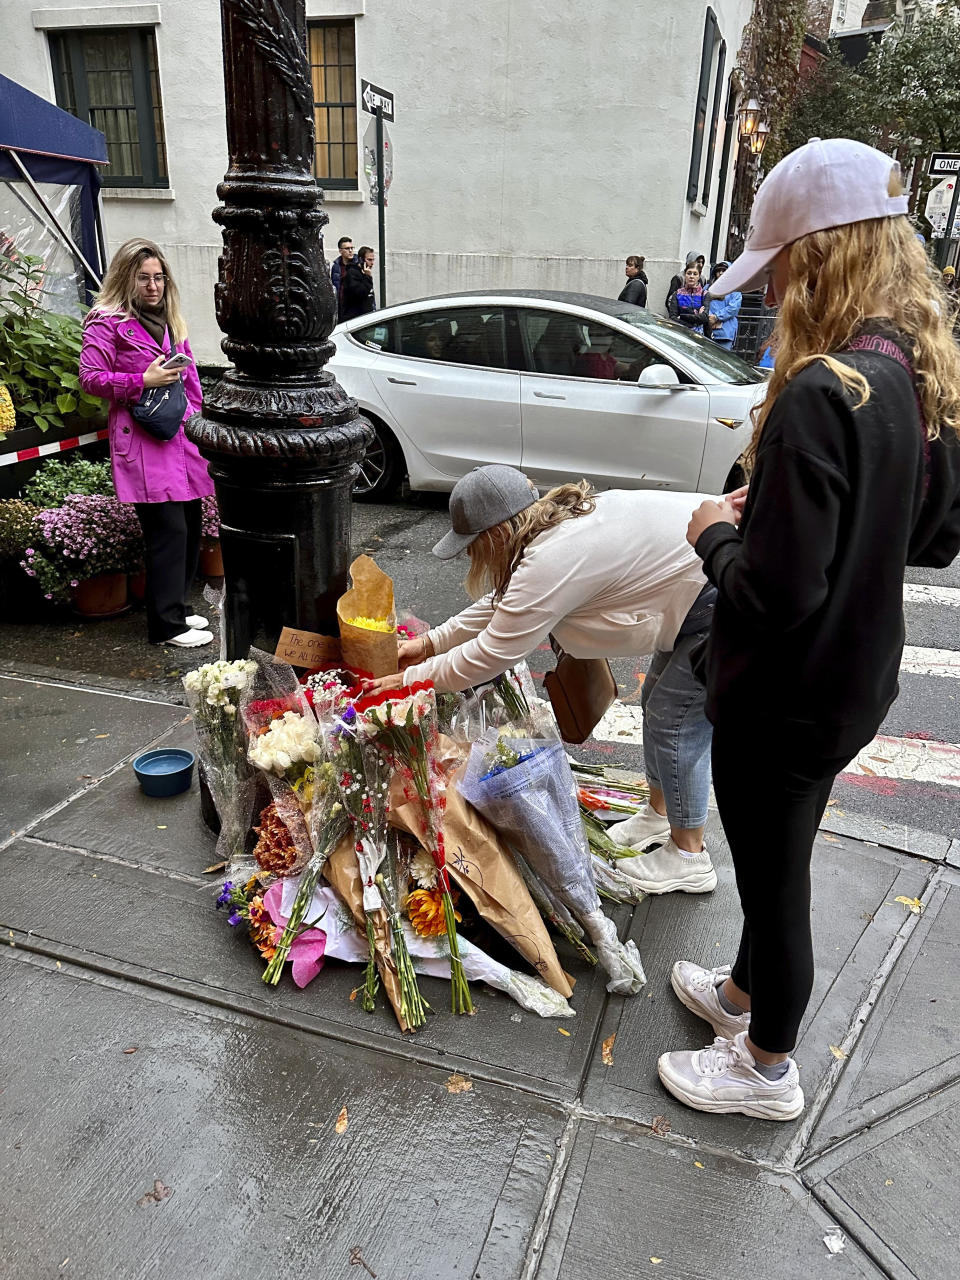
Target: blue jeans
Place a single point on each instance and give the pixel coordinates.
(676, 732)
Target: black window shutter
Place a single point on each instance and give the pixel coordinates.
(717, 87)
(711, 32)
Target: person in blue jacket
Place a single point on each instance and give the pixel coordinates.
(722, 319)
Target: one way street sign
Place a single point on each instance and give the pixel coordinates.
(372, 97)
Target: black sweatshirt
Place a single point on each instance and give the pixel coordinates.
(808, 628)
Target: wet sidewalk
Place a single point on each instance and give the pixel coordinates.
(164, 1113)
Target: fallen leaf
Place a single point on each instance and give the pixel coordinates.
(342, 1121)
(354, 993)
(606, 1050)
(562, 1032)
(832, 800)
(132, 1049)
(458, 1083)
(159, 1192)
(832, 839)
(698, 1164)
(656, 1261)
(660, 1126)
(837, 1052)
(881, 759)
(101, 735)
(914, 904)
(865, 768)
(217, 866)
(888, 1182)
(161, 828)
(58, 964)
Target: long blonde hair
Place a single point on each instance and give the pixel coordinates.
(118, 293)
(496, 553)
(837, 279)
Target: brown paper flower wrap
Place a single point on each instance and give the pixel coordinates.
(371, 596)
(484, 869)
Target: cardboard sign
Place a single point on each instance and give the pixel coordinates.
(307, 648)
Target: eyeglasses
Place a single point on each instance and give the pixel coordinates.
(145, 280)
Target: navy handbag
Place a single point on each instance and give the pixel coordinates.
(160, 410)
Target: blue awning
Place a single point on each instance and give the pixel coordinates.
(31, 123)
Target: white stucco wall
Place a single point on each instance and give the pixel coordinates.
(533, 148)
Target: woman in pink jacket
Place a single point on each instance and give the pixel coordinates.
(133, 328)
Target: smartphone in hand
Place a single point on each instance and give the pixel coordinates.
(176, 362)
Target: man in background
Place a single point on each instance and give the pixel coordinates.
(345, 256)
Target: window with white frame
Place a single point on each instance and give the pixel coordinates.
(333, 72)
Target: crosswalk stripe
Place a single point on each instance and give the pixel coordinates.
(931, 662)
(917, 593)
(909, 759)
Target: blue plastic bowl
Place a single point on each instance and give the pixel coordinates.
(165, 772)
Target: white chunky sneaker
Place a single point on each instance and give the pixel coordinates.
(723, 1078)
(197, 621)
(696, 988)
(640, 830)
(191, 639)
(666, 869)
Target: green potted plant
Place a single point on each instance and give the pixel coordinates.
(40, 353)
(58, 478)
(83, 552)
(20, 599)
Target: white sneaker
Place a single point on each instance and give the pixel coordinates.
(666, 869)
(191, 639)
(723, 1078)
(697, 988)
(196, 620)
(640, 830)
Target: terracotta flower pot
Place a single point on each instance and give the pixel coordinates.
(102, 597)
(137, 585)
(211, 559)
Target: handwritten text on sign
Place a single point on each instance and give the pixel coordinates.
(307, 648)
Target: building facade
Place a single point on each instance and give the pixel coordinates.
(531, 149)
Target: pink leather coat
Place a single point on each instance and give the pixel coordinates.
(116, 351)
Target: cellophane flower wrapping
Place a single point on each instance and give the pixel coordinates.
(519, 778)
(403, 726)
(283, 746)
(215, 693)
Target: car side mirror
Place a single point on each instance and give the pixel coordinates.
(658, 375)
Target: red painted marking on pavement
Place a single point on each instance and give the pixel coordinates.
(880, 786)
(919, 735)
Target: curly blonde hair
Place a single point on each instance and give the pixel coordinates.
(496, 553)
(838, 278)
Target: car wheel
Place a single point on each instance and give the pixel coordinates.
(736, 478)
(381, 467)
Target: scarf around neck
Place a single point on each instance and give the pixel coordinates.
(153, 319)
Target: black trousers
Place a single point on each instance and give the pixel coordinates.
(171, 531)
(772, 788)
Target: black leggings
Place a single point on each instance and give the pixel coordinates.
(171, 532)
(771, 791)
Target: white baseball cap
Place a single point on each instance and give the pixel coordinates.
(825, 183)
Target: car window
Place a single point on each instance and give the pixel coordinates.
(378, 336)
(717, 365)
(572, 346)
(459, 335)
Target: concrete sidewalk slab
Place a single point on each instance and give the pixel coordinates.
(853, 930)
(233, 1126)
(910, 1046)
(56, 740)
(164, 931)
(896, 1188)
(686, 1215)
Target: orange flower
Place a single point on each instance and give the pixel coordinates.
(425, 909)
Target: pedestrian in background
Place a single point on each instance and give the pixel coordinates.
(686, 305)
(723, 313)
(345, 256)
(358, 297)
(693, 259)
(854, 470)
(134, 326)
(635, 290)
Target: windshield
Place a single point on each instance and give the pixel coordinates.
(716, 364)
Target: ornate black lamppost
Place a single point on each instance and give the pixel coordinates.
(282, 437)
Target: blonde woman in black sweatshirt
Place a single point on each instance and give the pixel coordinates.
(855, 473)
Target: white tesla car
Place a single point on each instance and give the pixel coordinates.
(563, 385)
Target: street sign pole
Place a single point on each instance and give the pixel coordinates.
(944, 253)
(381, 209)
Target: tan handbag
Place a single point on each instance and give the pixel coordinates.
(581, 691)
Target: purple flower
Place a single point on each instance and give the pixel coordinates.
(224, 899)
(349, 715)
(30, 551)
(234, 918)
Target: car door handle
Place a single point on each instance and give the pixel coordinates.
(402, 382)
(546, 395)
